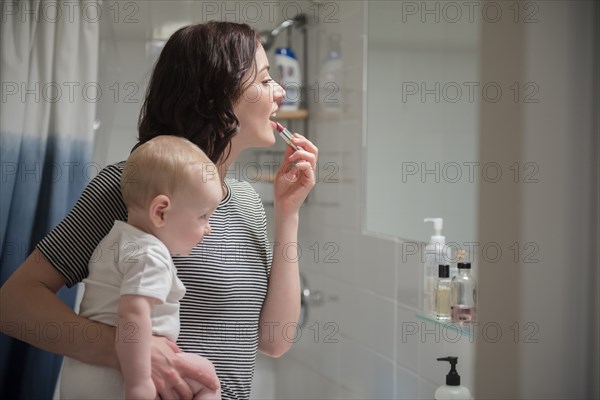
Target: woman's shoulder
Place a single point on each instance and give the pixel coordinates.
(241, 190)
(239, 185)
(242, 208)
(109, 174)
(106, 183)
(114, 169)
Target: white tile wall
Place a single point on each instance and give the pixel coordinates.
(408, 340)
(296, 380)
(372, 291)
(123, 76)
(365, 372)
(407, 384)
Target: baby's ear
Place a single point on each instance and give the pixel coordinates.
(159, 206)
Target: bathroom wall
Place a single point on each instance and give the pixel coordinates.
(544, 293)
(364, 339)
(538, 334)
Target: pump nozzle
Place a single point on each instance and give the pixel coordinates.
(453, 378)
(438, 224)
(437, 238)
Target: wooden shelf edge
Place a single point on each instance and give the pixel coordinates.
(295, 114)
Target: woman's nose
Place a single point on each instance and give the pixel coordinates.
(278, 93)
(207, 230)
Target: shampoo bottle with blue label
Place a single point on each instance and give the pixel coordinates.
(291, 80)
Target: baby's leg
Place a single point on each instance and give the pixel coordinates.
(201, 392)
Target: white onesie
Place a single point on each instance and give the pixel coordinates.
(127, 261)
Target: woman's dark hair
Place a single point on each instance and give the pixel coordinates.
(200, 74)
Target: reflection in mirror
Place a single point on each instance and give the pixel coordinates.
(422, 107)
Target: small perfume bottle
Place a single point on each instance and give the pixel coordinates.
(464, 294)
(442, 293)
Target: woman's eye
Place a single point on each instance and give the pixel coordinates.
(268, 81)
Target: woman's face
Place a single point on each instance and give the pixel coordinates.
(259, 102)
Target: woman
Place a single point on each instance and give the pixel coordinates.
(211, 85)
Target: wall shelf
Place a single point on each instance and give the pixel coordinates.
(295, 114)
(467, 330)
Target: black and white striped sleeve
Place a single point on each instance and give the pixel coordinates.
(71, 243)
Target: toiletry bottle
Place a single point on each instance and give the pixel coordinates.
(452, 389)
(464, 294)
(442, 293)
(331, 78)
(436, 253)
(290, 78)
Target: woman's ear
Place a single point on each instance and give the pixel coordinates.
(159, 206)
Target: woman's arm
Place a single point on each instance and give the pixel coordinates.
(30, 311)
(281, 308)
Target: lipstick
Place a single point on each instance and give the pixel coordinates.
(286, 135)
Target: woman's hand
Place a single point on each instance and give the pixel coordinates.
(296, 176)
(169, 371)
(140, 391)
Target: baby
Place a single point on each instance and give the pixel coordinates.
(170, 188)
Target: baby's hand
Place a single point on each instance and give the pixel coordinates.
(201, 392)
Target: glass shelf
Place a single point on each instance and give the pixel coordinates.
(467, 329)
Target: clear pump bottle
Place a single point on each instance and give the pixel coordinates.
(442, 294)
(331, 77)
(464, 294)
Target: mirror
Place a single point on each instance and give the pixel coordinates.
(423, 93)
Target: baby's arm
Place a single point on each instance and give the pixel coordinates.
(133, 338)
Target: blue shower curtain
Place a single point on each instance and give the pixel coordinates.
(48, 72)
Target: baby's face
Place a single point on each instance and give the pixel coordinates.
(188, 219)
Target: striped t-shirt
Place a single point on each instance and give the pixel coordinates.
(225, 276)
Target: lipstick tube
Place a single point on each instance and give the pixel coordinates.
(286, 135)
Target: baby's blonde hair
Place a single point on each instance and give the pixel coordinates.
(163, 165)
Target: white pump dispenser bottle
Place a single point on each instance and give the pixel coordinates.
(452, 390)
